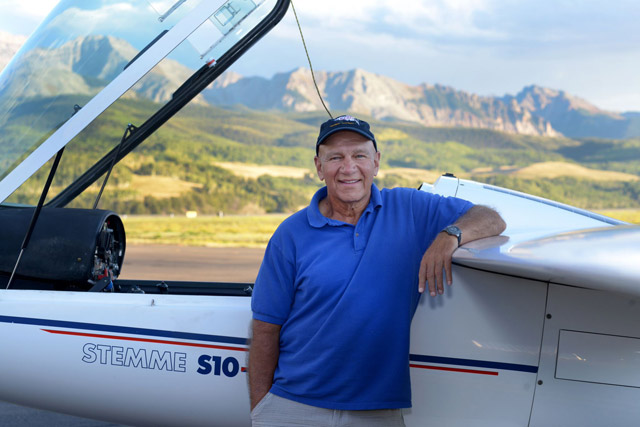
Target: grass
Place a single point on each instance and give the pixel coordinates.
(556, 169)
(160, 187)
(246, 170)
(628, 215)
(417, 175)
(251, 231)
(552, 170)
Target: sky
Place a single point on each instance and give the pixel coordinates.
(588, 48)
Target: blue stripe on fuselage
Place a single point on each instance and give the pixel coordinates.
(123, 330)
(474, 363)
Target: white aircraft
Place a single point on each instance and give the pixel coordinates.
(541, 327)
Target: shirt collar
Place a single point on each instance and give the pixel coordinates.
(317, 220)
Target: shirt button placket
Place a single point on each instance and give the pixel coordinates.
(357, 241)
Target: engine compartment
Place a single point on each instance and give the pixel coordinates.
(81, 250)
(70, 249)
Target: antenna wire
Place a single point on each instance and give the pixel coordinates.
(309, 59)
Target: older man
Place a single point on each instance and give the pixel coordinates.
(338, 286)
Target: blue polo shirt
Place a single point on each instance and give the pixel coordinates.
(345, 295)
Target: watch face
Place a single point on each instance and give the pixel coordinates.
(454, 231)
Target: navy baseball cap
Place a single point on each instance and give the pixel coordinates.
(345, 123)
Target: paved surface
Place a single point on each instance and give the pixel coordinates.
(156, 262)
(153, 262)
(18, 416)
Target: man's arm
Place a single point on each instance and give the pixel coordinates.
(263, 359)
(476, 223)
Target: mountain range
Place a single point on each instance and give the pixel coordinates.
(534, 110)
(83, 66)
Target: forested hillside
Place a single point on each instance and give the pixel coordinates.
(215, 160)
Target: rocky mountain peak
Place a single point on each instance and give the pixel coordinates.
(84, 65)
(361, 92)
(535, 98)
(227, 78)
(98, 56)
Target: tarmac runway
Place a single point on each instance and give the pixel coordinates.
(153, 262)
(190, 263)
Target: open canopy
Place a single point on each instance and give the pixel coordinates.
(88, 55)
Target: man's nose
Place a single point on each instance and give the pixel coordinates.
(348, 165)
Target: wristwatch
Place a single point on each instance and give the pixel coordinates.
(453, 230)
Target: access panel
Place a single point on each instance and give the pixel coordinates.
(590, 361)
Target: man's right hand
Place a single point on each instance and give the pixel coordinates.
(436, 259)
(477, 223)
(263, 359)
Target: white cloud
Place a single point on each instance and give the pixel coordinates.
(439, 17)
(86, 21)
(31, 8)
(22, 17)
(409, 18)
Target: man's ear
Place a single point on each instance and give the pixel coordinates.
(376, 162)
(318, 163)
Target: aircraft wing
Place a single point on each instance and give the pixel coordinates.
(549, 241)
(605, 259)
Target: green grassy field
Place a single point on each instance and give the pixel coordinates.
(251, 231)
(628, 215)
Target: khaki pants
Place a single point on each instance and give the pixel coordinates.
(275, 411)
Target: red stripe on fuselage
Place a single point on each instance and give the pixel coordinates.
(443, 368)
(115, 337)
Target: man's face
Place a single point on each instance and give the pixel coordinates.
(347, 162)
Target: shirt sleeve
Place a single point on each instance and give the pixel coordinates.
(273, 291)
(432, 213)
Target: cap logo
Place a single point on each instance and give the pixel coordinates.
(347, 123)
(346, 119)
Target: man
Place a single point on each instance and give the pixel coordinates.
(338, 286)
